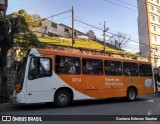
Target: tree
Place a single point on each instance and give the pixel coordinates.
(19, 23)
(120, 40)
(32, 20)
(26, 22)
(5, 44)
(36, 20)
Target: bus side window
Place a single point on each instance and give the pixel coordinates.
(145, 70)
(44, 66)
(113, 68)
(67, 65)
(130, 69)
(33, 69)
(134, 69)
(40, 67)
(92, 66)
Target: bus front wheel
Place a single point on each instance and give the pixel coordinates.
(131, 94)
(62, 98)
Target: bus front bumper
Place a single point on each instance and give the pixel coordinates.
(19, 97)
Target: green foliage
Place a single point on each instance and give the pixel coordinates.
(35, 20)
(24, 29)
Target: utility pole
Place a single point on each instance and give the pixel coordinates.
(155, 58)
(104, 38)
(72, 26)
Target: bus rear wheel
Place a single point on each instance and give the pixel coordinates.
(131, 94)
(62, 98)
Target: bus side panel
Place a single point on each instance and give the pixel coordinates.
(113, 86)
(91, 85)
(40, 90)
(131, 81)
(75, 83)
(144, 88)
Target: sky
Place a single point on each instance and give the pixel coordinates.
(121, 16)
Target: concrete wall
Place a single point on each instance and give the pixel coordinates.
(11, 76)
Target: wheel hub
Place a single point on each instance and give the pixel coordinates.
(63, 98)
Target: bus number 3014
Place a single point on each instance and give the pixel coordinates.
(76, 80)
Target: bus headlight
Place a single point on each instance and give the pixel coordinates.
(18, 87)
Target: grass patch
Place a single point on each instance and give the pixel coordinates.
(79, 43)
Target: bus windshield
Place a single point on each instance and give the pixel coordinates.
(21, 71)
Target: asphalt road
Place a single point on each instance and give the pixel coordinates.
(145, 105)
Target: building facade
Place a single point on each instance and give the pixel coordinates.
(149, 29)
(91, 35)
(50, 28)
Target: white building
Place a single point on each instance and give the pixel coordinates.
(149, 29)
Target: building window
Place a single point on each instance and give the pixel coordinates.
(158, 10)
(158, 29)
(152, 8)
(54, 25)
(153, 28)
(154, 38)
(158, 20)
(66, 30)
(154, 48)
(152, 18)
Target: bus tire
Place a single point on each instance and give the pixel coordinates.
(62, 98)
(131, 94)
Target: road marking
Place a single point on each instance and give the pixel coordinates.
(151, 101)
(149, 112)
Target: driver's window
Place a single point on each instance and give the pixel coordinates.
(33, 66)
(44, 66)
(40, 67)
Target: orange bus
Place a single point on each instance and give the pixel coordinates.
(62, 77)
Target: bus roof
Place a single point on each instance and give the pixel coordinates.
(84, 55)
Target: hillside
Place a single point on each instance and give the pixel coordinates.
(85, 44)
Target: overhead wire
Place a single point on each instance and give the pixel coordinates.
(110, 32)
(127, 3)
(119, 5)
